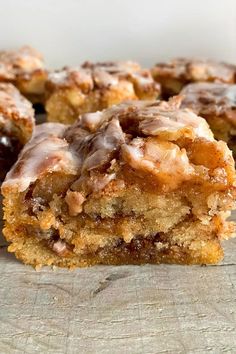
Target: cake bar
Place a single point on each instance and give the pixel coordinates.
(92, 87)
(216, 102)
(25, 69)
(140, 182)
(16, 125)
(175, 74)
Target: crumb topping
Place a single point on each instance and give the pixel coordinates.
(136, 135)
(12, 103)
(211, 99)
(103, 75)
(196, 70)
(20, 62)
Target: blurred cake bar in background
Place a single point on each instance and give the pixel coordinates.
(216, 102)
(140, 182)
(92, 87)
(175, 74)
(16, 125)
(25, 69)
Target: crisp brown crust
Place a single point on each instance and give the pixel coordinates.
(16, 125)
(92, 87)
(25, 69)
(138, 182)
(173, 75)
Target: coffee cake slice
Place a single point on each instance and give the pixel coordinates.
(16, 125)
(141, 182)
(93, 87)
(25, 69)
(177, 73)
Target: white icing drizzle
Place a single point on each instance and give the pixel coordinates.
(210, 98)
(13, 103)
(91, 121)
(164, 159)
(196, 70)
(45, 152)
(140, 134)
(102, 75)
(58, 77)
(22, 61)
(103, 78)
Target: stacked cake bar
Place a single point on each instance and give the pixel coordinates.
(118, 174)
(139, 182)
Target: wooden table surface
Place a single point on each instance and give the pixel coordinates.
(113, 310)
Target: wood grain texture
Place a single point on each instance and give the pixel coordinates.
(127, 309)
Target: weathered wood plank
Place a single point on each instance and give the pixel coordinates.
(149, 309)
(128, 309)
